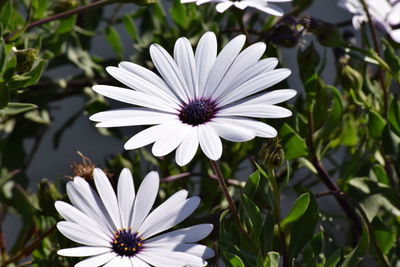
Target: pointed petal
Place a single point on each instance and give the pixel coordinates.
(185, 235)
(206, 53)
(230, 131)
(126, 196)
(145, 198)
(83, 251)
(108, 196)
(168, 69)
(167, 258)
(197, 250)
(155, 218)
(81, 235)
(136, 262)
(187, 149)
(170, 139)
(256, 110)
(210, 142)
(184, 57)
(268, 98)
(259, 128)
(223, 63)
(223, 6)
(134, 97)
(96, 260)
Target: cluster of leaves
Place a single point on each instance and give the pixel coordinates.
(352, 126)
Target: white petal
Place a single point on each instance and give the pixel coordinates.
(170, 139)
(168, 69)
(270, 98)
(231, 132)
(134, 97)
(223, 63)
(223, 6)
(83, 251)
(70, 213)
(267, 8)
(169, 218)
(108, 196)
(187, 149)
(259, 128)
(86, 200)
(131, 117)
(136, 262)
(256, 110)
(255, 85)
(116, 262)
(166, 258)
(126, 196)
(190, 234)
(149, 82)
(243, 61)
(197, 250)
(147, 136)
(241, 5)
(206, 53)
(96, 260)
(81, 235)
(152, 222)
(145, 198)
(184, 57)
(395, 35)
(210, 142)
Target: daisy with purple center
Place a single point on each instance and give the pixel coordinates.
(120, 230)
(199, 98)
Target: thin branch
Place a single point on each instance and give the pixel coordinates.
(62, 15)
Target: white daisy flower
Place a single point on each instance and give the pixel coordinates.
(119, 230)
(385, 15)
(262, 5)
(200, 97)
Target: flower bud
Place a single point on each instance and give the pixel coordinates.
(47, 195)
(288, 32)
(351, 78)
(271, 153)
(25, 59)
(326, 33)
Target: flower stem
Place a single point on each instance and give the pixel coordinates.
(228, 198)
(239, 16)
(62, 15)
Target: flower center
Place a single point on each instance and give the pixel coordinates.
(126, 243)
(197, 111)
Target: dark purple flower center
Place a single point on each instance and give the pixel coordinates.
(126, 242)
(197, 111)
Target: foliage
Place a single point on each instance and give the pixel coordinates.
(342, 143)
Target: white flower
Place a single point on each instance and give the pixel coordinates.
(262, 5)
(119, 230)
(385, 15)
(201, 97)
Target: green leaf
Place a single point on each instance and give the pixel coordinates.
(130, 27)
(334, 259)
(29, 78)
(293, 144)
(5, 13)
(2, 54)
(66, 25)
(178, 14)
(376, 124)
(299, 208)
(114, 40)
(234, 260)
(251, 185)
(271, 260)
(355, 256)
(252, 218)
(4, 96)
(394, 116)
(13, 109)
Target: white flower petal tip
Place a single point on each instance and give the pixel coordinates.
(104, 221)
(199, 97)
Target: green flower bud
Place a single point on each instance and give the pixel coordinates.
(47, 195)
(351, 78)
(25, 59)
(326, 33)
(272, 154)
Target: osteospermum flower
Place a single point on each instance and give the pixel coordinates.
(262, 5)
(200, 97)
(119, 230)
(385, 15)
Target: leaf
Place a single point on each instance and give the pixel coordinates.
(334, 259)
(2, 54)
(178, 14)
(298, 209)
(4, 96)
(271, 260)
(376, 124)
(251, 185)
(253, 218)
(130, 27)
(394, 116)
(5, 13)
(114, 40)
(13, 109)
(293, 144)
(66, 25)
(234, 260)
(355, 256)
